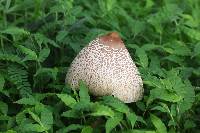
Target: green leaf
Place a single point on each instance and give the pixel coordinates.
(83, 106)
(159, 108)
(142, 57)
(102, 110)
(132, 117)
(110, 4)
(149, 3)
(47, 118)
(67, 99)
(39, 108)
(75, 46)
(159, 125)
(87, 129)
(11, 58)
(20, 117)
(35, 117)
(165, 95)
(83, 93)
(140, 131)
(140, 119)
(33, 128)
(51, 72)
(196, 50)
(102, 6)
(61, 35)
(111, 123)
(27, 101)
(189, 124)
(192, 33)
(141, 105)
(115, 103)
(71, 114)
(137, 27)
(3, 108)
(44, 53)
(149, 47)
(4, 118)
(69, 128)
(15, 31)
(2, 82)
(189, 98)
(31, 55)
(10, 131)
(178, 48)
(174, 58)
(40, 38)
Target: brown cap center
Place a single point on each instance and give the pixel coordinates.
(112, 40)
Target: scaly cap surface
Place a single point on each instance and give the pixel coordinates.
(105, 65)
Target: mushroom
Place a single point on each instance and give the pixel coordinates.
(106, 67)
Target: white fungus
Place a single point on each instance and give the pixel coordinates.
(106, 67)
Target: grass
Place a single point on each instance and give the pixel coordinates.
(39, 39)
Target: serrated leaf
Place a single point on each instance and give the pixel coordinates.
(111, 123)
(159, 125)
(192, 33)
(35, 117)
(30, 54)
(27, 101)
(20, 117)
(39, 108)
(196, 50)
(47, 118)
(115, 103)
(174, 58)
(83, 93)
(15, 31)
(132, 117)
(142, 57)
(42, 39)
(178, 48)
(51, 72)
(44, 53)
(67, 99)
(33, 128)
(189, 98)
(102, 110)
(165, 95)
(3, 108)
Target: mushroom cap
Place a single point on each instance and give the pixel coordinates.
(107, 68)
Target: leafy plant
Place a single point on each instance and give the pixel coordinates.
(39, 39)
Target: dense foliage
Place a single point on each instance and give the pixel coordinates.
(40, 38)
